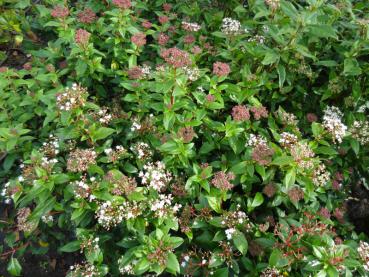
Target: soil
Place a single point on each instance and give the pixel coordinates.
(41, 266)
(358, 208)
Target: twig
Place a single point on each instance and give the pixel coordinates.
(15, 249)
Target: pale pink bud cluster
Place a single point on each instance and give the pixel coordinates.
(221, 180)
(139, 39)
(82, 37)
(221, 69)
(186, 133)
(240, 113)
(123, 4)
(163, 39)
(60, 12)
(176, 57)
(259, 112)
(86, 16)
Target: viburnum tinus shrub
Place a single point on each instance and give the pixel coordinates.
(197, 138)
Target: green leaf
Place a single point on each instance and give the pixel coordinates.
(169, 118)
(283, 160)
(240, 242)
(355, 146)
(282, 74)
(326, 150)
(215, 260)
(142, 266)
(239, 168)
(322, 31)
(102, 133)
(71, 246)
(14, 267)
(351, 67)
(214, 203)
(317, 129)
(172, 263)
(222, 272)
(130, 168)
(256, 202)
(277, 259)
(270, 57)
(290, 177)
(176, 241)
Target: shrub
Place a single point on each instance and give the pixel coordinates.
(199, 138)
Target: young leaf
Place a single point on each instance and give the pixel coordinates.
(14, 267)
(172, 263)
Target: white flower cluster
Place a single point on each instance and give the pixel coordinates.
(136, 125)
(257, 38)
(84, 270)
(193, 73)
(109, 215)
(271, 272)
(185, 261)
(51, 147)
(142, 150)
(71, 98)
(82, 190)
(235, 218)
(303, 155)
(287, 118)
(162, 207)
(190, 27)
(321, 176)
(230, 26)
(363, 251)
(255, 140)
(116, 153)
(80, 159)
(146, 71)
(363, 108)
(47, 219)
(360, 131)
(155, 176)
(332, 122)
(48, 163)
(126, 269)
(103, 116)
(229, 233)
(131, 209)
(288, 139)
(5, 193)
(90, 244)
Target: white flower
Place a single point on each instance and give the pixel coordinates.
(191, 27)
(255, 140)
(230, 26)
(332, 122)
(229, 233)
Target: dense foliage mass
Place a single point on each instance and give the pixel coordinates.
(198, 138)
